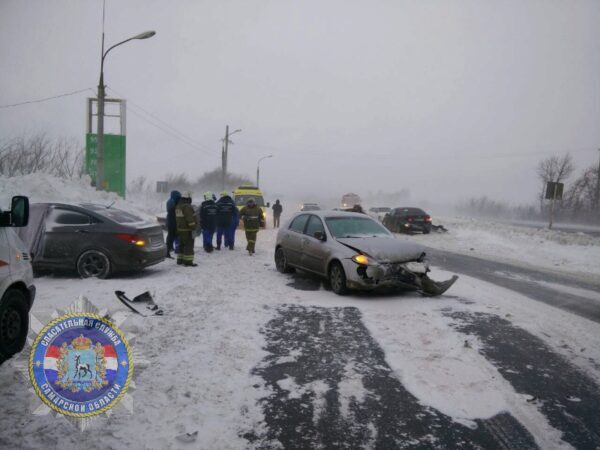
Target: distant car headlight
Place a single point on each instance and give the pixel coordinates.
(363, 260)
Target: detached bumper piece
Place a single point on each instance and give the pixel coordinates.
(434, 288)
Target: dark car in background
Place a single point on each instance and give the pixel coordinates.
(407, 220)
(93, 240)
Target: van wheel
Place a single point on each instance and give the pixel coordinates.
(281, 262)
(337, 279)
(14, 323)
(93, 263)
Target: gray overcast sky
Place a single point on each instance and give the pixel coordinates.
(450, 99)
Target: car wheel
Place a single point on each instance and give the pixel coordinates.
(93, 263)
(14, 323)
(337, 279)
(281, 262)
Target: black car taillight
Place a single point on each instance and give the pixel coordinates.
(132, 239)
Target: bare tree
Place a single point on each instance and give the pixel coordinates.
(138, 185)
(579, 199)
(38, 153)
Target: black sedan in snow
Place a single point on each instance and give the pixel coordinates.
(407, 220)
(93, 240)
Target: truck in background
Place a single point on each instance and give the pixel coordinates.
(349, 200)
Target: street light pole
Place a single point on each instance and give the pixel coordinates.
(101, 97)
(224, 150)
(258, 169)
(597, 195)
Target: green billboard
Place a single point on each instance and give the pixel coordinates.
(114, 161)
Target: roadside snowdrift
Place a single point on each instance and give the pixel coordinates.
(41, 187)
(575, 253)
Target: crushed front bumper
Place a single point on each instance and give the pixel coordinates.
(404, 275)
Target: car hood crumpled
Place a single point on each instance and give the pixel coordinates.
(385, 250)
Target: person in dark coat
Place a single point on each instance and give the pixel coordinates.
(253, 218)
(171, 222)
(227, 214)
(208, 220)
(277, 210)
(186, 224)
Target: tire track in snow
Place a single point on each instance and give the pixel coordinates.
(568, 398)
(332, 388)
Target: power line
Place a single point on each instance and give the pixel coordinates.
(167, 131)
(158, 119)
(44, 99)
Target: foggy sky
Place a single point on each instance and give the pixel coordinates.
(449, 99)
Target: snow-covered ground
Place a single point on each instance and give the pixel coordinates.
(202, 352)
(572, 253)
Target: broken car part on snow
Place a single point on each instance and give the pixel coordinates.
(144, 297)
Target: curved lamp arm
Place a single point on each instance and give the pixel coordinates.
(144, 35)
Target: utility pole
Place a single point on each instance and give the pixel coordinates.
(258, 169)
(100, 181)
(224, 158)
(224, 150)
(597, 196)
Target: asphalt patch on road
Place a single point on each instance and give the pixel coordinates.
(568, 397)
(332, 388)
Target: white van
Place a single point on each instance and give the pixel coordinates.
(17, 290)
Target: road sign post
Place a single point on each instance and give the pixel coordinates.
(554, 191)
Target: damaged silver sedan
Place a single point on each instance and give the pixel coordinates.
(353, 251)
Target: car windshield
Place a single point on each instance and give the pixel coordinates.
(349, 227)
(114, 214)
(241, 200)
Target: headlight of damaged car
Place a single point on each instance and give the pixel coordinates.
(363, 260)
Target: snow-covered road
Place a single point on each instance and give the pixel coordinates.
(212, 353)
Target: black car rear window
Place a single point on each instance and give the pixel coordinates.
(409, 212)
(59, 216)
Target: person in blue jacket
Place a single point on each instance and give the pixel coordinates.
(171, 222)
(208, 220)
(227, 220)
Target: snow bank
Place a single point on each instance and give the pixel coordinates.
(575, 253)
(41, 187)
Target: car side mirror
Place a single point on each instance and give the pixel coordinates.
(320, 235)
(18, 216)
